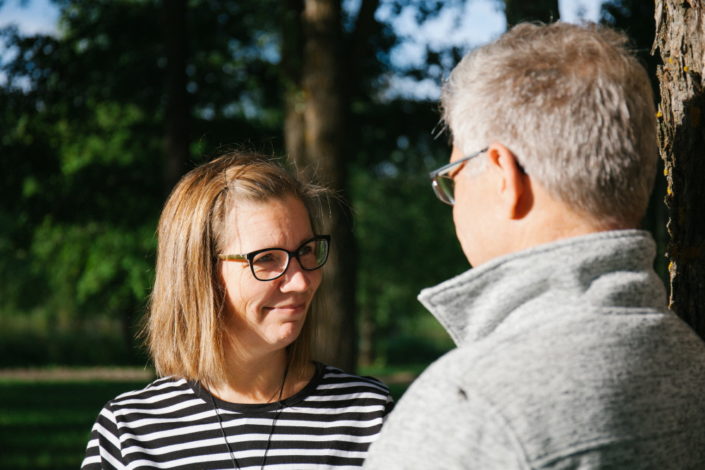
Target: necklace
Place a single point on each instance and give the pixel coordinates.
(236, 465)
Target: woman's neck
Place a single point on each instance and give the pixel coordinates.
(261, 379)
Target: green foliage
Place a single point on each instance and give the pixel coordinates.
(405, 235)
(82, 167)
(82, 158)
(79, 234)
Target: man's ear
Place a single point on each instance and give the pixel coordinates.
(513, 187)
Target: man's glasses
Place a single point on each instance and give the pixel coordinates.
(442, 179)
(271, 263)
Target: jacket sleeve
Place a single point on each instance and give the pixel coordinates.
(104, 451)
(438, 424)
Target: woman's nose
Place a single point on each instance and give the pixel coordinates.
(295, 279)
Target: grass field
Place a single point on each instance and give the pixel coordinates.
(46, 424)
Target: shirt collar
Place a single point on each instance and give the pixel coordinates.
(612, 268)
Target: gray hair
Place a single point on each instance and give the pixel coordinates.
(575, 107)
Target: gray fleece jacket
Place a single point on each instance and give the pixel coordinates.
(567, 358)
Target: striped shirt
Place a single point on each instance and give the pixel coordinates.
(173, 423)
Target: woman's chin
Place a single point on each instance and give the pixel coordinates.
(287, 334)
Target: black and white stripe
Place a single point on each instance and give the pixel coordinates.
(172, 423)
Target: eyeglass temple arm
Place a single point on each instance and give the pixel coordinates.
(243, 258)
(240, 258)
(440, 170)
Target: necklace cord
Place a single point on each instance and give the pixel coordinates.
(222, 433)
(276, 417)
(236, 465)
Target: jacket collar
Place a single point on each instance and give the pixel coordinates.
(604, 269)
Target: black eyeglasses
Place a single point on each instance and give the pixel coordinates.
(269, 264)
(442, 179)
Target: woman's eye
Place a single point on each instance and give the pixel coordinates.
(305, 250)
(265, 258)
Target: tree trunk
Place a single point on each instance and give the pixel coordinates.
(517, 11)
(177, 112)
(317, 107)
(292, 50)
(680, 40)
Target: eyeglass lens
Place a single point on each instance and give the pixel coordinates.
(444, 187)
(270, 264)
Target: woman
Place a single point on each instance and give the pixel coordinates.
(229, 330)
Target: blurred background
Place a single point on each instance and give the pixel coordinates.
(104, 104)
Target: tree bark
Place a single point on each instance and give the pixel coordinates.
(317, 108)
(292, 50)
(517, 11)
(177, 112)
(680, 41)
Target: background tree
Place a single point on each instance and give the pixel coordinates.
(680, 42)
(84, 115)
(178, 112)
(332, 59)
(92, 113)
(316, 139)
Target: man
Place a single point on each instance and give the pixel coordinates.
(567, 357)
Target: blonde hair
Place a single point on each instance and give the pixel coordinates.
(573, 104)
(184, 328)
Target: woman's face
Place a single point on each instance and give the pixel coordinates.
(266, 316)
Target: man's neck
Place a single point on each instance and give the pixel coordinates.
(553, 222)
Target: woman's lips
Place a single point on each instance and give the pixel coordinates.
(291, 309)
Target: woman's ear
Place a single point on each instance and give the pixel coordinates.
(511, 181)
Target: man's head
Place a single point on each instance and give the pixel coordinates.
(569, 110)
